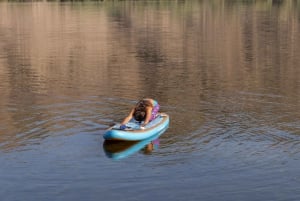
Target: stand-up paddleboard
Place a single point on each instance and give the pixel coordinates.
(134, 132)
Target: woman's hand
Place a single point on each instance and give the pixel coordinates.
(123, 127)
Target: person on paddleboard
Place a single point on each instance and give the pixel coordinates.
(144, 111)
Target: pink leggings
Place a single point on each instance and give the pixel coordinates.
(154, 111)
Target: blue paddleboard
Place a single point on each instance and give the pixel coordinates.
(133, 132)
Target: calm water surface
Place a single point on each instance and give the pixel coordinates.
(227, 73)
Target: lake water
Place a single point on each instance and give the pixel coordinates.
(227, 73)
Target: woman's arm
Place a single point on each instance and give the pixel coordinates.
(127, 119)
(148, 116)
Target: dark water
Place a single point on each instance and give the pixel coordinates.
(227, 73)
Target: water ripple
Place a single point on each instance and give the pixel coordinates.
(236, 119)
(57, 119)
